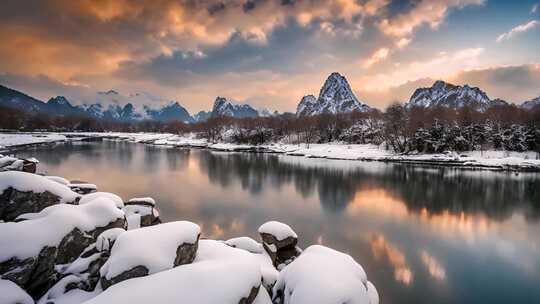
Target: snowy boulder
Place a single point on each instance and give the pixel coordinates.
(58, 179)
(87, 198)
(11, 293)
(245, 243)
(141, 212)
(142, 201)
(325, 276)
(33, 248)
(82, 187)
(149, 250)
(65, 292)
(8, 163)
(22, 192)
(105, 240)
(279, 241)
(219, 274)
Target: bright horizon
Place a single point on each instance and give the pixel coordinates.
(268, 53)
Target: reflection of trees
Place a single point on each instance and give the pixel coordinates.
(494, 194)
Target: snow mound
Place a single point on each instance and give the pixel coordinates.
(47, 228)
(220, 274)
(11, 293)
(96, 195)
(153, 247)
(107, 238)
(59, 180)
(25, 182)
(245, 243)
(280, 230)
(324, 276)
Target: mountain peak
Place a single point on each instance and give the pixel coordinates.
(223, 107)
(59, 100)
(335, 96)
(109, 92)
(443, 94)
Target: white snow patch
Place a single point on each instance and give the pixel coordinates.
(325, 276)
(147, 200)
(108, 237)
(12, 293)
(245, 243)
(59, 180)
(280, 230)
(87, 198)
(220, 274)
(153, 247)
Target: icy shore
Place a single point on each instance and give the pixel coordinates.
(94, 247)
(489, 160)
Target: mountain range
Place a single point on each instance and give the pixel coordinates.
(335, 96)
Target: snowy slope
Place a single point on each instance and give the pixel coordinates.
(335, 97)
(448, 95)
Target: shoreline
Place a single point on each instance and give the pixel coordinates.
(473, 160)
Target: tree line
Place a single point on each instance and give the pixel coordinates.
(400, 128)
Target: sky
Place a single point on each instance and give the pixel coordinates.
(268, 53)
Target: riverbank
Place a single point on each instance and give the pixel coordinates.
(476, 160)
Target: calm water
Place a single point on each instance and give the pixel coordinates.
(423, 235)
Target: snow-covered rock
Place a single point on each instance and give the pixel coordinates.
(279, 241)
(219, 274)
(245, 243)
(443, 94)
(87, 198)
(324, 276)
(149, 250)
(141, 212)
(59, 180)
(83, 188)
(105, 240)
(22, 192)
(143, 201)
(11, 293)
(335, 96)
(224, 107)
(33, 247)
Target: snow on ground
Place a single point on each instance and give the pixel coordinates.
(325, 276)
(280, 230)
(24, 182)
(11, 293)
(153, 247)
(17, 139)
(220, 274)
(337, 150)
(47, 228)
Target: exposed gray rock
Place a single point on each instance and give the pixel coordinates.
(14, 202)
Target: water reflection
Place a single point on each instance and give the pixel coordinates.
(424, 235)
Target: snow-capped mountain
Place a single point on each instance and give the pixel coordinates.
(530, 104)
(60, 105)
(224, 107)
(335, 97)
(443, 94)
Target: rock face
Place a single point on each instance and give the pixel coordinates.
(148, 250)
(29, 193)
(223, 107)
(443, 94)
(335, 97)
(279, 241)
